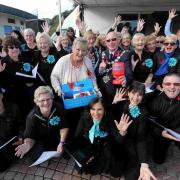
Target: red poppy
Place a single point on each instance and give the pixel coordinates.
(71, 85)
(178, 98)
(161, 61)
(117, 53)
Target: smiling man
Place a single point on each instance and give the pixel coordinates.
(166, 109)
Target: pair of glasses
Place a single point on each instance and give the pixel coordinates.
(12, 47)
(45, 100)
(169, 84)
(109, 40)
(160, 42)
(169, 43)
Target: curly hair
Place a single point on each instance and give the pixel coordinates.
(10, 41)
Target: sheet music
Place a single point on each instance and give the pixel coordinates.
(46, 155)
(34, 72)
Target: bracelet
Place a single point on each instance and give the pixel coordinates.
(62, 142)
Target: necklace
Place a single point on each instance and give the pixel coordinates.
(76, 64)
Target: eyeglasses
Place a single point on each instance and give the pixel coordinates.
(169, 43)
(12, 47)
(161, 42)
(169, 84)
(109, 40)
(44, 100)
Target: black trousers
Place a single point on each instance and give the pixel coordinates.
(160, 148)
(7, 155)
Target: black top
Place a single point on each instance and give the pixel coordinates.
(10, 122)
(107, 125)
(165, 111)
(15, 86)
(28, 52)
(160, 58)
(45, 66)
(141, 71)
(136, 137)
(40, 128)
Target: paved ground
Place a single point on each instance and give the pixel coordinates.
(62, 169)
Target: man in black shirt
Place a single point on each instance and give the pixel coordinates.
(166, 110)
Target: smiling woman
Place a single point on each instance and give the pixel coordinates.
(168, 61)
(46, 128)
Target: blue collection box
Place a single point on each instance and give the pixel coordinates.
(78, 94)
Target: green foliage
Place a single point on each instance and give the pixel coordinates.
(55, 20)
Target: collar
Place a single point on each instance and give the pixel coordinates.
(40, 116)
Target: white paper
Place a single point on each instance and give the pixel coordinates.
(148, 88)
(34, 72)
(46, 155)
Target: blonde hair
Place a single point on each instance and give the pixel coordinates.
(150, 38)
(125, 35)
(42, 90)
(45, 36)
(99, 39)
(88, 34)
(171, 37)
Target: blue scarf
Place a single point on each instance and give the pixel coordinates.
(95, 131)
(163, 69)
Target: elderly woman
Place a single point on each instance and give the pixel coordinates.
(10, 129)
(46, 128)
(62, 45)
(29, 48)
(126, 41)
(150, 45)
(73, 68)
(46, 57)
(142, 63)
(16, 86)
(160, 41)
(168, 60)
(101, 43)
(92, 50)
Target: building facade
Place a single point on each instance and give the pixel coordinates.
(12, 19)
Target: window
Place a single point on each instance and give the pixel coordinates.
(22, 23)
(17, 28)
(11, 21)
(7, 29)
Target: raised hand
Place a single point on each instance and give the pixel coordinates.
(123, 124)
(133, 62)
(157, 28)
(2, 66)
(172, 14)
(117, 21)
(45, 26)
(119, 96)
(140, 25)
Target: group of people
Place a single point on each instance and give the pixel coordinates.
(115, 129)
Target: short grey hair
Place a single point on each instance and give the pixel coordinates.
(29, 30)
(45, 36)
(137, 35)
(80, 40)
(42, 90)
